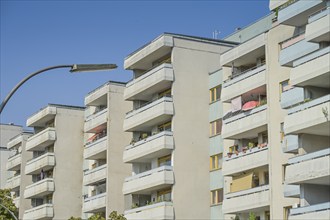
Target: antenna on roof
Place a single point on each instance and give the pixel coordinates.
(216, 33)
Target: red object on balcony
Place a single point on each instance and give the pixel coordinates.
(250, 105)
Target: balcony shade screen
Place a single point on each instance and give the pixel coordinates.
(242, 182)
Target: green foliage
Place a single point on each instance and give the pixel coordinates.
(74, 218)
(252, 216)
(97, 216)
(115, 216)
(7, 201)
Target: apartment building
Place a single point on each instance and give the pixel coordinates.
(306, 98)
(7, 131)
(169, 123)
(277, 82)
(104, 169)
(56, 165)
(16, 164)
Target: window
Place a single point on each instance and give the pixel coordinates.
(215, 94)
(284, 86)
(282, 132)
(164, 161)
(216, 196)
(166, 93)
(215, 127)
(216, 162)
(165, 127)
(164, 195)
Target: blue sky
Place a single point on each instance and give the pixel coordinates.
(38, 34)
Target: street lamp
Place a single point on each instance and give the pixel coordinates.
(74, 68)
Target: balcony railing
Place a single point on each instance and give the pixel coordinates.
(40, 188)
(309, 156)
(149, 172)
(247, 192)
(245, 74)
(148, 105)
(309, 104)
(147, 207)
(233, 116)
(95, 203)
(39, 212)
(96, 114)
(244, 153)
(292, 40)
(312, 56)
(148, 139)
(149, 72)
(311, 208)
(318, 14)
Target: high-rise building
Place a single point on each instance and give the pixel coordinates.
(104, 169)
(7, 131)
(170, 126)
(16, 164)
(276, 134)
(56, 165)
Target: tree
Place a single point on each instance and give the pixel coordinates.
(7, 207)
(74, 218)
(96, 216)
(252, 216)
(115, 216)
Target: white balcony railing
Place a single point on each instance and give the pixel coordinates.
(161, 210)
(96, 120)
(95, 175)
(40, 212)
(95, 203)
(40, 188)
(96, 149)
(153, 146)
(13, 182)
(14, 162)
(152, 179)
(45, 162)
(310, 209)
(39, 141)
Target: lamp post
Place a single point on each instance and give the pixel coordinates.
(74, 68)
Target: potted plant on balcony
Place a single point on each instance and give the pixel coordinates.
(244, 149)
(251, 145)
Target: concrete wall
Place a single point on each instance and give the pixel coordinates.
(192, 62)
(275, 75)
(6, 133)
(117, 140)
(68, 171)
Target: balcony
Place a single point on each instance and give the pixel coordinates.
(246, 124)
(43, 116)
(149, 115)
(291, 190)
(157, 79)
(45, 162)
(318, 27)
(318, 211)
(310, 118)
(96, 122)
(296, 13)
(244, 82)
(98, 96)
(95, 176)
(162, 210)
(97, 149)
(45, 211)
(17, 140)
(256, 157)
(13, 182)
(246, 200)
(273, 4)
(146, 150)
(294, 48)
(311, 168)
(294, 96)
(41, 140)
(245, 53)
(149, 181)
(290, 144)
(95, 204)
(312, 70)
(14, 162)
(40, 188)
(145, 56)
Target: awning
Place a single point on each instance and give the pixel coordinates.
(250, 105)
(242, 182)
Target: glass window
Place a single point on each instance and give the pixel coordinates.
(216, 196)
(216, 162)
(215, 127)
(215, 94)
(164, 195)
(165, 127)
(164, 161)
